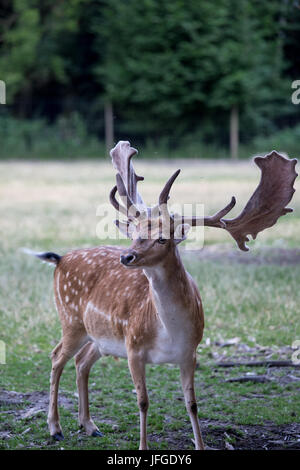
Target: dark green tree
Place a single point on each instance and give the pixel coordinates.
(174, 67)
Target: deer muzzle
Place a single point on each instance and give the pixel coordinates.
(128, 259)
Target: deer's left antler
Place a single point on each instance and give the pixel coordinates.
(269, 200)
(266, 205)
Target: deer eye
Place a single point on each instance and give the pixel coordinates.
(162, 241)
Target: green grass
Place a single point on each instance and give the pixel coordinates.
(52, 206)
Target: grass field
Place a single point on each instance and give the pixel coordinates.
(251, 301)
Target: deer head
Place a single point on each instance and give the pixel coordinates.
(156, 232)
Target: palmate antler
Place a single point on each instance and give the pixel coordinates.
(126, 179)
(263, 209)
(269, 200)
(121, 156)
(267, 203)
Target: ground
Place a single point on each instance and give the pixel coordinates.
(29, 409)
(251, 303)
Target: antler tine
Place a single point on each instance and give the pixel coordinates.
(216, 219)
(125, 196)
(162, 207)
(114, 202)
(210, 221)
(164, 195)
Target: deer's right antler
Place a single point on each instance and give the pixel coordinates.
(121, 156)
(126, 179)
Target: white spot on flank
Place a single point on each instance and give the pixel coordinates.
(65, 287)
(67, 298)
(92, 308)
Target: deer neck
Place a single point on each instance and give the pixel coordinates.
(170, 287)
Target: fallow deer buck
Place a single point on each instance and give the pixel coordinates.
(140, 303)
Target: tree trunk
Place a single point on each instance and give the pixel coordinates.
(109, 126)
(234, 132)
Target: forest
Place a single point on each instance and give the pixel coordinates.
(186, 79)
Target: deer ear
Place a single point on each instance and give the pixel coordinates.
(181, 233)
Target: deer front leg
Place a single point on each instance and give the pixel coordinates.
(84, 360)
(187, 380)
(137, 370)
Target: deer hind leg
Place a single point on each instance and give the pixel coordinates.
(137, 370)
(84, 360)
(187, 380)
(61, 354)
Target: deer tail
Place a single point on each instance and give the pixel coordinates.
(47, 257)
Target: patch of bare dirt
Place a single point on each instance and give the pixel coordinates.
(220, 436)
(254, 437)
(27, 405)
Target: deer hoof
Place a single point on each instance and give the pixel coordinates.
(97, 433)
(58, 436)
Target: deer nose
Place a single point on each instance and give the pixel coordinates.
(127, 259)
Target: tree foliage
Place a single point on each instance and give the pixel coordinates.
(171, 69)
